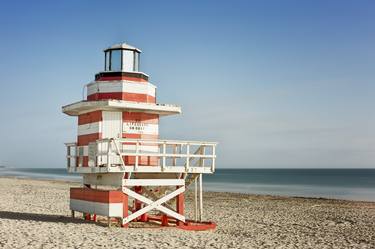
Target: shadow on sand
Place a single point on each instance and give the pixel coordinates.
(40, 217)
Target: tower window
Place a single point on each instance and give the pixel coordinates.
(127, 60)
(115, 60)
(106, 62)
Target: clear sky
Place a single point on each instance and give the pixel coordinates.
(276, 83)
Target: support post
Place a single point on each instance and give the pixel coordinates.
(200, 198)
(138, 204)
(87, 216)
(125, 209)
(180, 206)
(164, 220)
(196, 199)
(73, 213)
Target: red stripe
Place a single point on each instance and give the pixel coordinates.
(86, 139)
(142, 160)
(85, 161)
(151, 99)
(129, 160)
(140, 136)
(97, 96)
(108, 78)
(90, 117)
(103, 196)
(136, 97)
(140, 117)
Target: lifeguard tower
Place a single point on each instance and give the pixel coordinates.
(129, 174)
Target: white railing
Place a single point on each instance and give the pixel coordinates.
(124, 152)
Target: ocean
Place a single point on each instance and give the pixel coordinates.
(348, 184)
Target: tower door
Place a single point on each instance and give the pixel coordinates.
(112, 125)
(111, 128)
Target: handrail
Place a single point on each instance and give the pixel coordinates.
(159, 141)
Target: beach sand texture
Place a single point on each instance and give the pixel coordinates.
(35, 214)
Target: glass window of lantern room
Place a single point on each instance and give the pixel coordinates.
(106, 62)
(136, 61)
(127, 60)
(115, 60)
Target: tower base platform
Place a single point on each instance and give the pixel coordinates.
(114, 208)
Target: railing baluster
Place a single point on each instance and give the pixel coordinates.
(96, 157)
(136, 157)
(76, 154)
(203, 153)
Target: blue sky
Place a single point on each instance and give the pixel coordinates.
(276, 83)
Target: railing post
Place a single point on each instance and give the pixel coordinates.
(174, 161)
(76, 155)
(108, 151)
(187, 165)
(68, 156)
(213, 158)
(164, 159)
(98, 151)
(202, 153)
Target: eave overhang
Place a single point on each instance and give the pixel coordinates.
(84, 106)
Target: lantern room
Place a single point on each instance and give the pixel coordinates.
(121, 58)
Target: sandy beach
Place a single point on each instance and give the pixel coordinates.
(35, 214)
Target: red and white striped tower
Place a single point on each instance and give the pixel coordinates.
(121, 80)
(118, 149)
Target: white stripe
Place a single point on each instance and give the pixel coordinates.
(127, 147)
(153, 182)
(148, 148)
(120, 86)
(140, 128)
(89, 128)
(105, 209)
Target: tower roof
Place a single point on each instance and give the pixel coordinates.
(123, 46)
